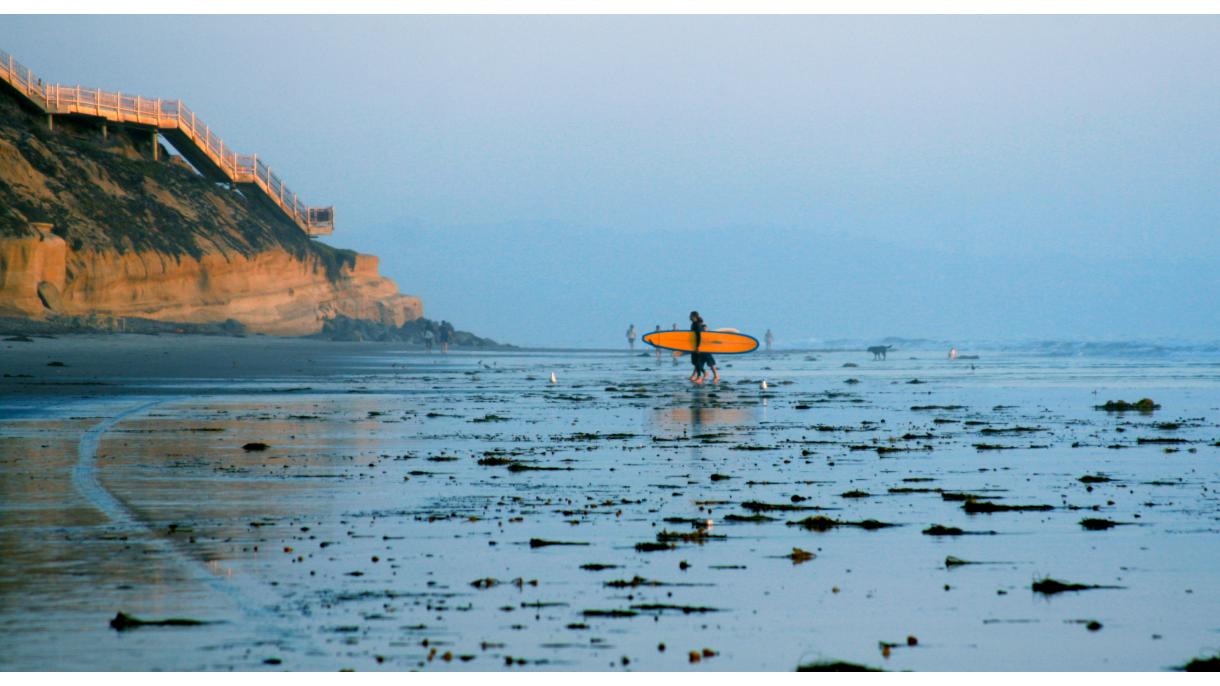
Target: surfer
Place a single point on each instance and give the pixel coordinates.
(631, 336)
(700, 360)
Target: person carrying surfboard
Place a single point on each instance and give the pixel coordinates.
(700, 360)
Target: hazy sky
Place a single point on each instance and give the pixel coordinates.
(549, 180)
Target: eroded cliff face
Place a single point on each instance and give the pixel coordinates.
(270, 291)
(91, 225)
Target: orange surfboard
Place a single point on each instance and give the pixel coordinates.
(715, 342)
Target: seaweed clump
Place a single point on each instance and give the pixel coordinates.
(1142, 405)
(835, 666)
(1203, 664)
(1049, 586)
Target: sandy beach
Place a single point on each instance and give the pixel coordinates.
(317, 505)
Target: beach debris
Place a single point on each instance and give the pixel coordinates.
(696, 536)
(951, 561)
(597, 567)
(1094, 479)
(941, 530)
(987, 507)
(756, 506)
(1202, 664)
(1049, 586)
(824, 523)
(700, 655)
(633, 582)
(255, 446)
(1144, 405)
(1097, 524)
(887, 646)
(610, 613)
(663, 607)
(489, 418)
(834, 666)
(124, 622)
(542, 543)
(798, 556)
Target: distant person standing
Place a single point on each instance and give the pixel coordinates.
(658, 330)
(631, 336)
(429, 338)
(446, 336)
(770, 338)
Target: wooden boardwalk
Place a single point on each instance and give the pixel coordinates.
(194, 139)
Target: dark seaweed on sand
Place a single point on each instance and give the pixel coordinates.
(835, 666)
(823, 523)
(987, 507)
(1203, 664)
(1049, 586)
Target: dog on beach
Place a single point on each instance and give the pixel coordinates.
(879, 351)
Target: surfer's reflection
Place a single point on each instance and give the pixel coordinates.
(699, 413)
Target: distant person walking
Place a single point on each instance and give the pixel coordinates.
(770, 338)
(631, 336)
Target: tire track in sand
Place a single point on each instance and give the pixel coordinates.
(263, 621)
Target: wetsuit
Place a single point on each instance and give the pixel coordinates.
(698, 359)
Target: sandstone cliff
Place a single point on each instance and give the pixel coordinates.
(92, 225)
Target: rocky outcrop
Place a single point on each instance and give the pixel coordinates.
(91, 225)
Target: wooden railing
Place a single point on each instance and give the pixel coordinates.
(167, 115)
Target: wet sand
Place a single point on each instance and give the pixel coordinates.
(415, 511)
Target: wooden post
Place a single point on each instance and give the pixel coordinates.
(156, 147)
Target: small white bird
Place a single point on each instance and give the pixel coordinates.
(764, 384)
(553, 379)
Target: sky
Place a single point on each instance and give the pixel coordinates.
(548, 181)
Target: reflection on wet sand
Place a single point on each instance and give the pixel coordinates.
(700, 414)
(476, 516)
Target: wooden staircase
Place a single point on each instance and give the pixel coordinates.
(194, 139)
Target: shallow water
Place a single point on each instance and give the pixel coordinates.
(354, 539)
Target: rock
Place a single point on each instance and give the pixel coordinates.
(50, 296)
